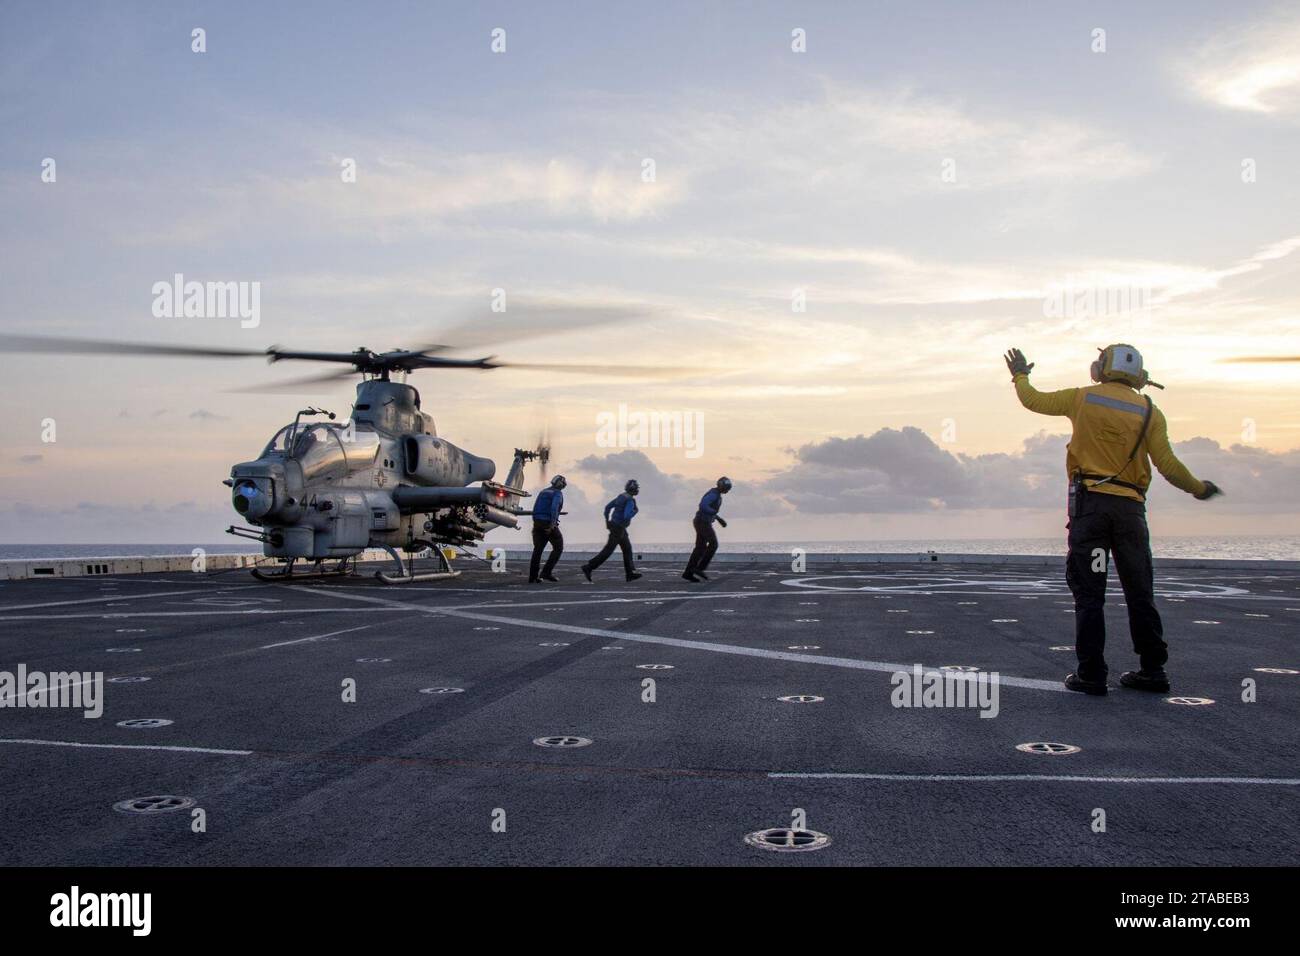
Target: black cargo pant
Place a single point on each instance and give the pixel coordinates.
(545, 533)
(1111, 528)
(617, 539)
(706, 545)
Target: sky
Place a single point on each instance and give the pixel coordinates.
(834, 218)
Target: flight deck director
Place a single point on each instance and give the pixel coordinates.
(1117, 435)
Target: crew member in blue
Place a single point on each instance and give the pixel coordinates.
(546, 530)
(706, 539)
(618, 515)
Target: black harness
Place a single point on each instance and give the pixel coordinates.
(1081, 476)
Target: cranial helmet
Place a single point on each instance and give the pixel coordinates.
(632, 487)
(1120, 363)
(559, 482)
(724, 484)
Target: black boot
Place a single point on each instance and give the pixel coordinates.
(703, 575)
(1096, 688)
(634, 575)
(1154, 679)
(550, 577)
(690, 576)
(586, 573)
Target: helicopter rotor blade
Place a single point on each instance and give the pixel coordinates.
(530, 320)
(61, 346)
(309, 383)
(1263, 358)
(615, 371)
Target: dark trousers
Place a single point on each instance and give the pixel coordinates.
(617, 539)
(1117, 528)
(544, 534)
(706, 545)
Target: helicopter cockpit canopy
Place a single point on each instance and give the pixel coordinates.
(324, 451)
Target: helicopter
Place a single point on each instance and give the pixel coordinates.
(321, 492)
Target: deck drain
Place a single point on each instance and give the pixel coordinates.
(1047, 748)
(443, 690)
(786, 840)
(554, 644)
(807, 620)
(611, 647)
(654, 667)
(964, 668)
(144, 723)
(896, 610)
(804, 647)
(161, 803)
(1206, 622)
(965, 603)
(374, 660)
(128, 680)
(802, 699)
(487, 628)
(122, 650)
(1190, 701)
(920, 632)
(1061, 647)
(129, 630)
(1006, 620)
(562, 741)
(1276, 670)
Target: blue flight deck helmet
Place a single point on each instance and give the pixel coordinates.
(724, 484)
(632, 487)
(559, 482)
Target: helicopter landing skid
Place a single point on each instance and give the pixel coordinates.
(406, 570)
(287, 573)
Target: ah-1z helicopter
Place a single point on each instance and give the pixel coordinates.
(385, 479)
(321, 491)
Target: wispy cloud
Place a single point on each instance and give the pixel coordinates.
(1254, 68)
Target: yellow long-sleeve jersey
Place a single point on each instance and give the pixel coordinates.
(1107, 419)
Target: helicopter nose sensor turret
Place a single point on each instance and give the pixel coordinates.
(253, 497)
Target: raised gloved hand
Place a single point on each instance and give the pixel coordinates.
(1211, 489)
(722, 521)
(1016, 363)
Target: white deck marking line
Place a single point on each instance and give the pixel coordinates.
(1016, 777)
(845, 662)
(167, 747)
(883, 777)
(226, 613)
(97, 600)
(304, 640)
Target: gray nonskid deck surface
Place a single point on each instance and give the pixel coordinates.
(286, 772)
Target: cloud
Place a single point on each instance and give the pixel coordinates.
(905, 471)
(31, 459)
(1254, 69)
(665, 495)
(203, 415)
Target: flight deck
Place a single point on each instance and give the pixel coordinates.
(750, 720)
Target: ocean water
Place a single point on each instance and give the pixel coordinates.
(1271, 548)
